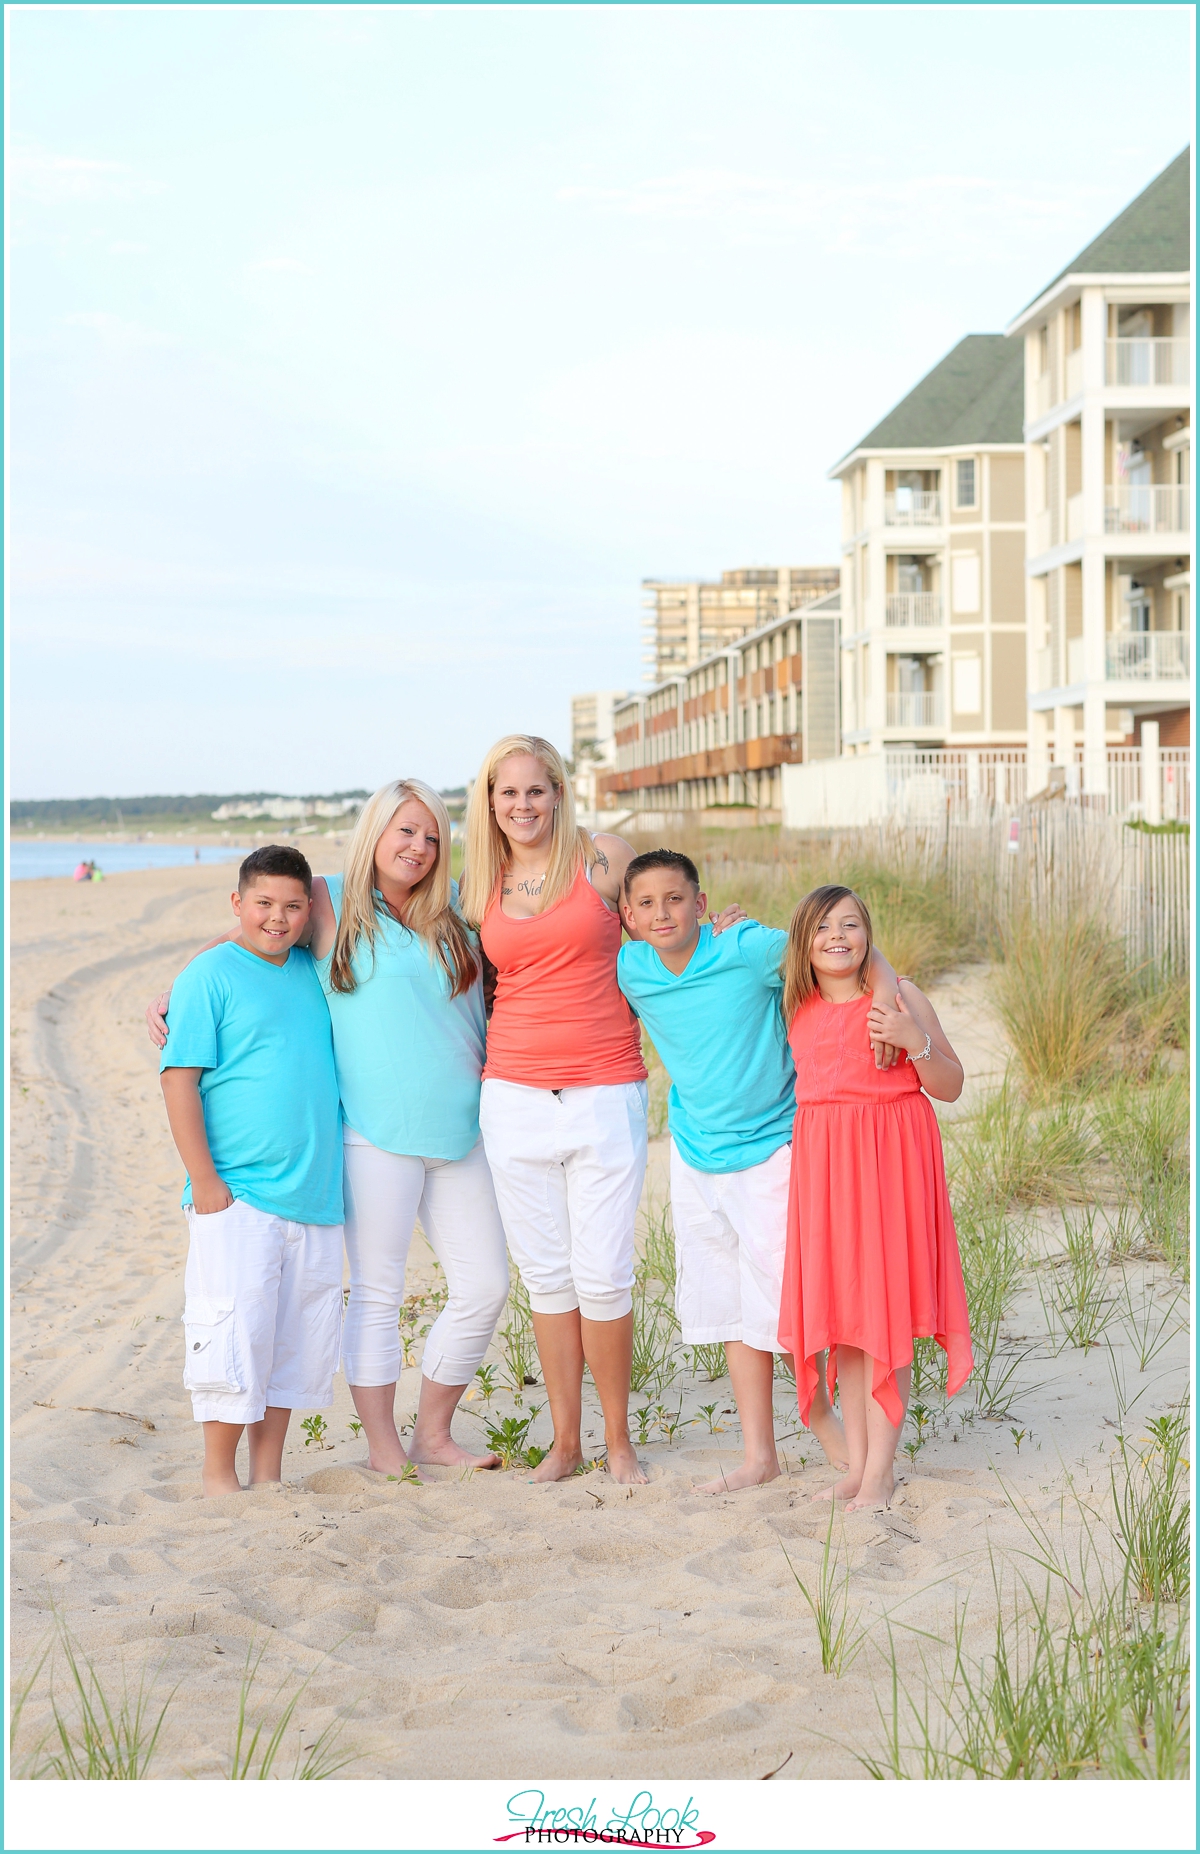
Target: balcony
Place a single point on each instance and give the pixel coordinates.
(913, 609)
(1146, 361)
(1147, 508)
(914, 708)
(913, 508)
(1148, 656)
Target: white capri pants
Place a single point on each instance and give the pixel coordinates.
(568, 1165)
(730, 1241)
(262, 1313)
(385, 1192)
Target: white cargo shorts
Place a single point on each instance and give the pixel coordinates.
(730, 1241)
(262, 1316)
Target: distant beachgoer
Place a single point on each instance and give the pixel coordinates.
(83, 872)
(196, 854)
(252, 1098)
(97, 874)
(872, 1256)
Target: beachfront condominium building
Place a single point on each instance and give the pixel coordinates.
(1108, 489)
(713, 739)
(933, 551)
(593, 749)
(687, 620)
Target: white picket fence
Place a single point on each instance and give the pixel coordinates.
(920, 785)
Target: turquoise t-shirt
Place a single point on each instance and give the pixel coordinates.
(409, 1056)
(260, 1032)
(719, 1029)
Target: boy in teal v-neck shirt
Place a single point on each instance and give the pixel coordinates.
(712, 1005)
(252, 1098)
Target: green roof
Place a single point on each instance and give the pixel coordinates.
(975, 395)
(1152, 234)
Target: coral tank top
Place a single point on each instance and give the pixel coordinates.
(559, 1020)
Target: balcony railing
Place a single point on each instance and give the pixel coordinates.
(906, 609)
(913, 508)
(1148, 656)
(914, 708)
(1145, 361)
(1147, 508)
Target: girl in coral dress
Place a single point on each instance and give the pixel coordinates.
(872, 1257)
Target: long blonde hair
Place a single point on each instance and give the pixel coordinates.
(429, 911)
(799, 979)
(488, 851)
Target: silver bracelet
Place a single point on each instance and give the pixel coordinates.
(925, 1053)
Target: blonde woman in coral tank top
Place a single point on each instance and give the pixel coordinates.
(563, 1107)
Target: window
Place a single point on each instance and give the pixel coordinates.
(967, 681)
(965, 483)
(964, 579)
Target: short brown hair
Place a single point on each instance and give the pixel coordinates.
(275, 859)
(799, 980)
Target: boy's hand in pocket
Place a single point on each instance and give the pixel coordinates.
(210, 1195)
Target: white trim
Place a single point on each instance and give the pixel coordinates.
(1176, 440)
(1119, 286)
(895, 458)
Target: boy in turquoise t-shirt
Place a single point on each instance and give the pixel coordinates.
(252, 1099)
(712, 1005)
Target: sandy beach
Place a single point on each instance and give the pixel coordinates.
(477, 1627)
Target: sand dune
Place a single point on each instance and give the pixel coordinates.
(481, 1627)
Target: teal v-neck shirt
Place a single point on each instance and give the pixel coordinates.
(409, 1056)
(719, 1029)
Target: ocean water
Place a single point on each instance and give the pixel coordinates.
(57, 857)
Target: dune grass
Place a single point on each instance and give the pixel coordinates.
(103, 1734)
(1088, 1669)
(1065, 994)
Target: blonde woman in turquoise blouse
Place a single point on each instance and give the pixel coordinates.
(401, 975)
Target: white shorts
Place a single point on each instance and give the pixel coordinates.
(730, 1240)
(385, 1193)
(262, 1313)
(568, 1167)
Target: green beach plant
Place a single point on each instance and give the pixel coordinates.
(840, 1630)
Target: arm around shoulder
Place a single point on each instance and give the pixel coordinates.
(912, 1025)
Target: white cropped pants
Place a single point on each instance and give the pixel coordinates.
(385, 1192)
(568, 1167)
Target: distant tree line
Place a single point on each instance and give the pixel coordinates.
(124, 813)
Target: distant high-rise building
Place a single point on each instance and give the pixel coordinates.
(687, 620)
(593, 749)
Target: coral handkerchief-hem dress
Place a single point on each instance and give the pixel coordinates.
(872, 1257)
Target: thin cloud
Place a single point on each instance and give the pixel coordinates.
(50, 179)
(910, 216)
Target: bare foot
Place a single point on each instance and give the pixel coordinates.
(559, 1465)
(390, 1461)
(445, 1452)
(827, 1428)
(845, 1489)
(874, 1496)
(749, 1474)
(624, 1465)
(219, 1481)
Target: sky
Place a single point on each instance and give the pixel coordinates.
(363, 362)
